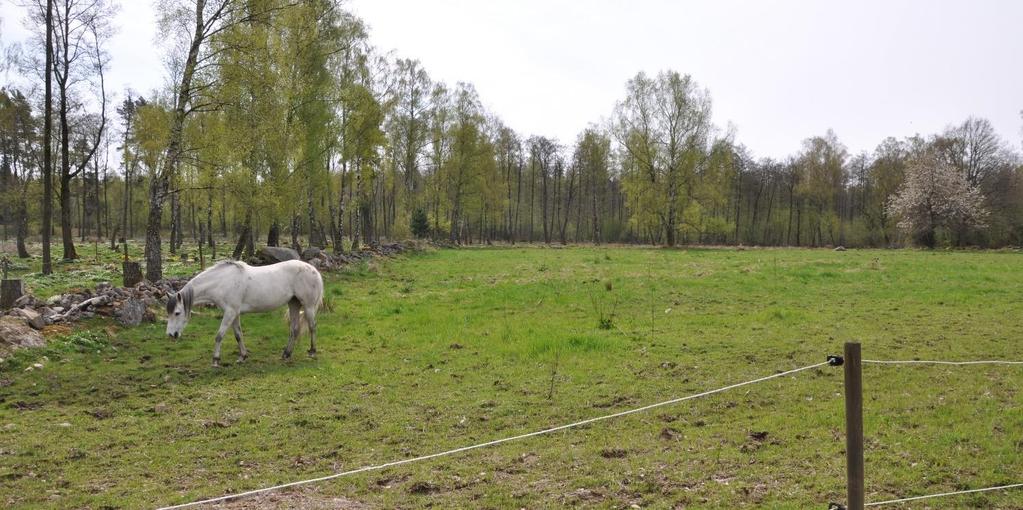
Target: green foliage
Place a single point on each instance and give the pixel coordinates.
(420, 224)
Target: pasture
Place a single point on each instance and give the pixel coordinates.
(453, 347)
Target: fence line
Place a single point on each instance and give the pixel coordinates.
(492, 443)
(954, 493)
(930, 362)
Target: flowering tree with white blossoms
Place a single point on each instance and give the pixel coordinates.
(936, 195)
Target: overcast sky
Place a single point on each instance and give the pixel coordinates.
(779, 71)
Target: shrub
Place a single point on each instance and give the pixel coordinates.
(419, 224)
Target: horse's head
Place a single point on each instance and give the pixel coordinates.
(179, 309)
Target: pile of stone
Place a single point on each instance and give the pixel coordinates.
(326, 261)
(130, 306)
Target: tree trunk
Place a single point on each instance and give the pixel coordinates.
(175, 233)
(568, 207)
(66, 234)
(47, 143)
(209, 226)
(243, 238)
(153, 251)
(10, 291)
(67, 237)
(339, 229)
(296, 226)
(357, 221)
(273, 237)
(22, 233)
(596, 217)
(160, 182)
(314, 237)
(131, 273)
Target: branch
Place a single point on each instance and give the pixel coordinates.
(103, 106)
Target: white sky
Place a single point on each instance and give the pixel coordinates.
(779, 70)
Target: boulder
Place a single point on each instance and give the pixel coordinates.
(32, 317)
(840, 248)
(131, 312)
(16, 334)
(28, 300)
(311, 253)
(272, 255)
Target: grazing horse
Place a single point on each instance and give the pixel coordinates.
(237, 288)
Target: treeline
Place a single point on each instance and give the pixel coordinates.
(286, 126)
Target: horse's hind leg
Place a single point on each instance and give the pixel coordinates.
(243, 353)
(294, 306)
(310, 320)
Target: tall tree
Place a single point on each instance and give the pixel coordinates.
(593, 159)
(18, 155)
(663, 125)
(190, 25)
(80, 28)
(47, 142)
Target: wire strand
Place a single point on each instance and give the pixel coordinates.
(943, 494)
(929, 362)
(491, 443)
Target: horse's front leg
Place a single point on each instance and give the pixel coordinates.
(226, 322)
(243, 353)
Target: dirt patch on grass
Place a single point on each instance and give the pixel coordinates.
(300, 499)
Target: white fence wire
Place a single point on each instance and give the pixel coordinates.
(378, 467)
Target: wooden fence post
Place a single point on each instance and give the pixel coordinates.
(854, 427)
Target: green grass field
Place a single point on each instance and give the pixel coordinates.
(453, 347)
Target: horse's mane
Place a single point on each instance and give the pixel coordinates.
(186, 294)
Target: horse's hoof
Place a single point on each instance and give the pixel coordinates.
(216, 362)
(241, 359)
(312, 353)
(286, 356)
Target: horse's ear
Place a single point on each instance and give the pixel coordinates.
(172, 303)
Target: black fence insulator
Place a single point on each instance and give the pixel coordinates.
(836, 361)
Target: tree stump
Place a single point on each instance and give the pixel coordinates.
(10, 291)
(132, 272)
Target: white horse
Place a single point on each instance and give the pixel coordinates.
(237, 288)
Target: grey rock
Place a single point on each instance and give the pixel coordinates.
(28, 300)
(15, 333)
(311, 253)
(273, 255)
(131, 312)
(32, 317)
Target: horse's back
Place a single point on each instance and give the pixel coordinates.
(272, 286)
(307, 283)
